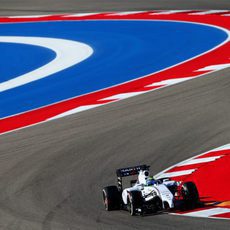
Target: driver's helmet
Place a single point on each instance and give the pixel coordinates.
(150, 181)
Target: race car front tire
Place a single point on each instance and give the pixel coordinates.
(157, 204)
(135, 202)
(111, 198)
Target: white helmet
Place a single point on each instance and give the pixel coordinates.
(143, 176)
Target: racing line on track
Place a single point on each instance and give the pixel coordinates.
(213, 58)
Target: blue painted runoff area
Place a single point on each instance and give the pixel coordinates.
(123, 51)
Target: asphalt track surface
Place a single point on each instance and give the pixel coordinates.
(23, 7)
(51, 174)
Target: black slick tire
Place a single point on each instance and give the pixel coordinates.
(111, 198)
(134, 202)
(190, 195)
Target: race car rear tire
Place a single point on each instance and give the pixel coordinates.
(111, 198)
(135, 202)
(190, 195)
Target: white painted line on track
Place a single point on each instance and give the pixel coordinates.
(215, 67)
(209, 12)
(125, 13)
(170, 12)
(170, 81)
(224, 147)
(31, 16)
(199, 161)
(176, 173)
(208, 212)
(73, 111)
(122, 96)
(68, 53)
(80, 15)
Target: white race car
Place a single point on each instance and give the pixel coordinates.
(147, 194)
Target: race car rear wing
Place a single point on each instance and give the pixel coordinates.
(129, 171)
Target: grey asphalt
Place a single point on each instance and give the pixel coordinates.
(51, 175)
(22, 7)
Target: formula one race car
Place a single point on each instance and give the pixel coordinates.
(148, 195)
